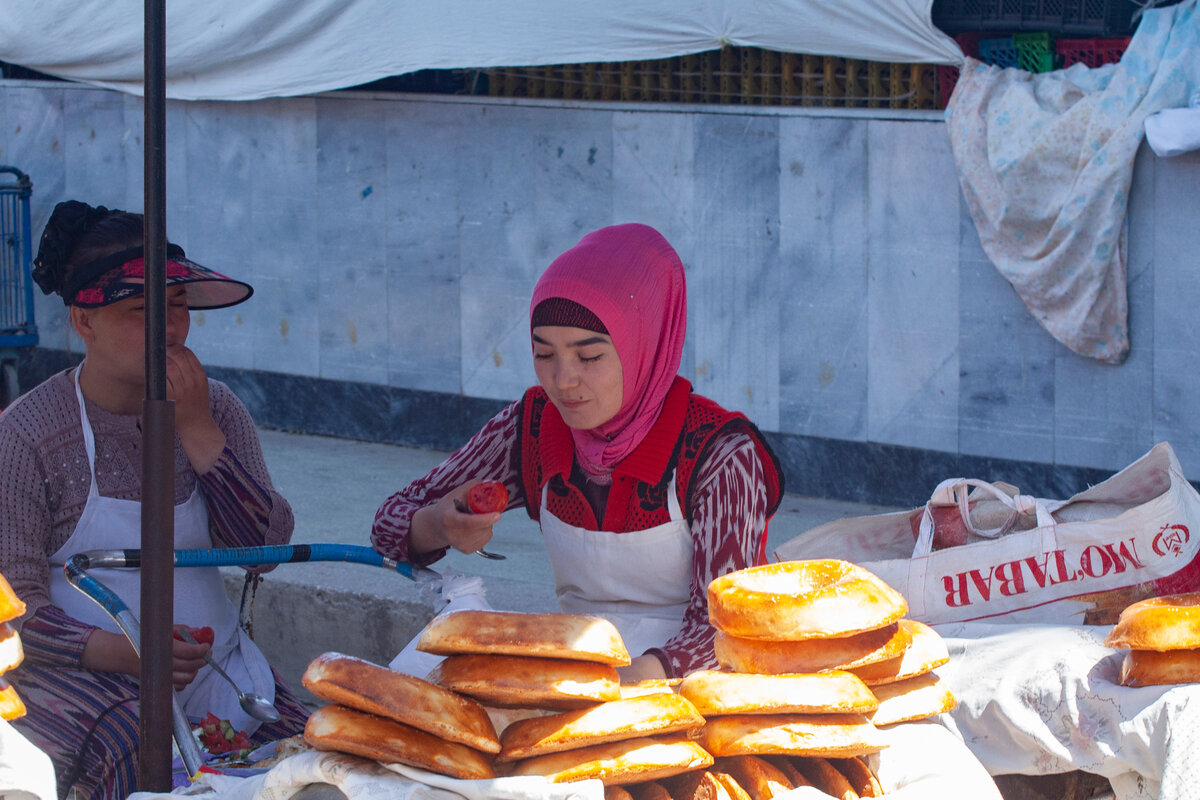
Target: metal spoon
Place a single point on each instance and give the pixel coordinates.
(255, 705)
(461, 508)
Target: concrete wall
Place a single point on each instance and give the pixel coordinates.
(838, 292)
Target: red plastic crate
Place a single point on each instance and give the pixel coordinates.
(948, 75)
(1092, 52)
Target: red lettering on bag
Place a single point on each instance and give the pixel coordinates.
(1010, 578)
(956, 598)
(1171, 539)
(1110, 558)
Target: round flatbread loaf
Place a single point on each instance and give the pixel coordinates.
(716, 693)
(913, 698)
(576, 637)
(11, 651)
(791, 734)
(11, 606)
(649, 686)
(1160, 667)
(796, 600)
(626, 761)
(648, 715)
(768, 657)
(527, 682)
(11, 706)
(348, 731)
(699, 784)
(1159, 623)
(368, 687)
(927, 651)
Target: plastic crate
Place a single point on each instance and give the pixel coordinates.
(1035, 51)
(1092, 52)
(999, 52)
(1081, 17)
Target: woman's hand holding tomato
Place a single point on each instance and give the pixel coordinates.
(451, 522)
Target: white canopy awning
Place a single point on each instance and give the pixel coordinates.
(250, 49)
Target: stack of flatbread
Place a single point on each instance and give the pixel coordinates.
(1161, 637)
(558, 673)
(823, 616)
(11, 652)
(396, 718)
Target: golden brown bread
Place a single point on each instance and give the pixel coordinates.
(616, 793)
(699, 784)
(784, 764)
(626, 761)
(793, 734)
(926, 652)
(760, 779)
(649, 715)
(368, 687)
(729, 783)
(648, 790)
(348, 731)
(716, 693)
(11, 651)
(649, 686)
(860, 776)
(1155, 667)
(11, 706)
(11, 606)
(578, 637)
(810, 655)
(503, 717)
(913, 698)
(796, 600)
(824, 776)
(1159, 623)
(526, 682)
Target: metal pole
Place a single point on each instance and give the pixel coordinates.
(158, 434)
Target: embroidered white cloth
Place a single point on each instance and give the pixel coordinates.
(1046, 161)
(1043, 699)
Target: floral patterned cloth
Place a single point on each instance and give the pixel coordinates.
(1046, 161)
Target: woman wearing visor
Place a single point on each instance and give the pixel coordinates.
(71, 480)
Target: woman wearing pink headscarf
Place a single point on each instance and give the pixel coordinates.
(644, 491)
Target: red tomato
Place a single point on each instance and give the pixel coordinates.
(202, 635)
(486, 497)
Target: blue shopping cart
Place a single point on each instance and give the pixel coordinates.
(17, 329)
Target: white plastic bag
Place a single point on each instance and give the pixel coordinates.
(1175, 131)
(458, 592)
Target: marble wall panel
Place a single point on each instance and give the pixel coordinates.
(352, 274)
(424, 246)
(823, 280)
(217, 231)
(283, 210)
(735, 283)
(912, 293)
(1102, 412)
(653, 182)
(1177, 326)
(572, 180)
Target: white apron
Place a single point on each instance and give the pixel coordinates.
(110, 524)
(640, 580)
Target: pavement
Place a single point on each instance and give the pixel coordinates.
(335, 487)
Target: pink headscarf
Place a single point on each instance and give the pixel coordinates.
(632, 279)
